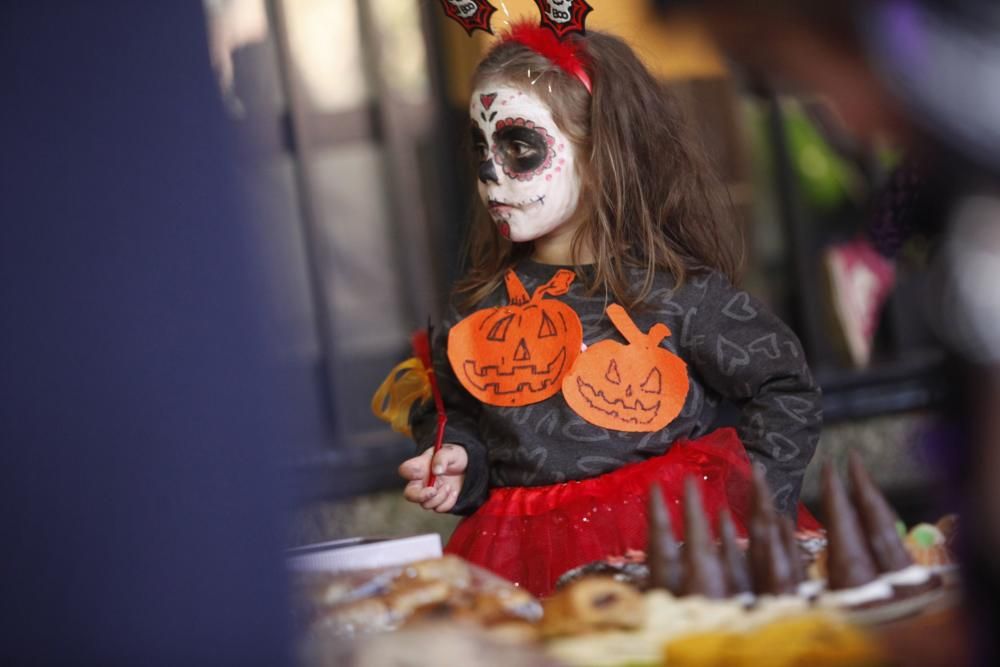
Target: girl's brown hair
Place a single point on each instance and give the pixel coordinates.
(650, 199)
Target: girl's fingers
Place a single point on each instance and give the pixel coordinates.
(448, 502)
(414, 491)
(439, 495)
(416, 468)
(451, 460)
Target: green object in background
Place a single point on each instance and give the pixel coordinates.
(826, 179)
(926, 535)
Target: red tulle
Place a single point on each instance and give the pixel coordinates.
(568, 55)
(532, 535)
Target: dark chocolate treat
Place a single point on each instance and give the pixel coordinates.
(733, 559)
(662, 552)
(878, 519)
(848, 561)
(792, 550)
(769, 564)
(760, 509)
(703, 570)
(780, 578)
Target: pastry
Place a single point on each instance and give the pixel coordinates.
(409, 596)
(948, 525)
(449, 569)
(592, 603)
(928, 545)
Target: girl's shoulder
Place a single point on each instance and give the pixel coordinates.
(696, 286)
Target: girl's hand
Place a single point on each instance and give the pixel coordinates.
(449, 468)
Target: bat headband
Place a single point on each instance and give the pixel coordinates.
(567, 55)
(559, 19)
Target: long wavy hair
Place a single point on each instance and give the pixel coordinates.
(649, 198)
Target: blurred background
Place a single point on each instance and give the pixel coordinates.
(357, 106)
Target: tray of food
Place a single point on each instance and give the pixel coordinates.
(776, 596)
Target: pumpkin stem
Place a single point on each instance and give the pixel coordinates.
(620, 318)
(657, 333)
(558, 285)
(515, 289)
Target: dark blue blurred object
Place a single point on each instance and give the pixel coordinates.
(141, 406)
(941, 58)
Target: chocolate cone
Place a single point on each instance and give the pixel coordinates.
(798, 569)
(703, 570)
(761, 502)
(733, 559)
(769, 566)
(848, 562)
(878, 519)
(662, 551)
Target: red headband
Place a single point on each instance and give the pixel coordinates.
(567, 55)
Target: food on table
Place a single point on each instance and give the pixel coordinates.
(770, 563)
(798, 567)
(667, 617)
(629, 569)
(948, 525)
(705, 603)
(449, 569)
(590, 604)
(407, 596)
(734, 560)
(813, 639)
(928, 545)
(352, 604)
(893, 561)
(703, 569)
(359, 616)
(867, 563)
(664, 555)
(878, 519)
(852, 577)
(441, 644)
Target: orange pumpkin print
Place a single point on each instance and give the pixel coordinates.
(637, 387)
(518, 354)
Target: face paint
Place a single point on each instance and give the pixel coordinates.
(527, 166)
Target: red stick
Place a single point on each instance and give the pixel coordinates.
(422, 350)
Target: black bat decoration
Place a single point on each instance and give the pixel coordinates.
(470, 14)
(564, 17)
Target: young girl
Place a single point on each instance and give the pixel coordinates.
(597, 327)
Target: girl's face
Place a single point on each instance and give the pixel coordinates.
(527, 167)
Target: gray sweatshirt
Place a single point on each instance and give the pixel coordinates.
(735, 349)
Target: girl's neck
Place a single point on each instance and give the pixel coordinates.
(557, 248)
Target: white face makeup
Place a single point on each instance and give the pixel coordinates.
(527, 166)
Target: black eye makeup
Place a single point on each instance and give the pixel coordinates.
(524, 149)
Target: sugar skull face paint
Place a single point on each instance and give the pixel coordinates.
(527, 166)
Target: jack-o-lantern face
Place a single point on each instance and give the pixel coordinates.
(517, 354)
(640, 386)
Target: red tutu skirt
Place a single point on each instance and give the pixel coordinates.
(532, 535)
